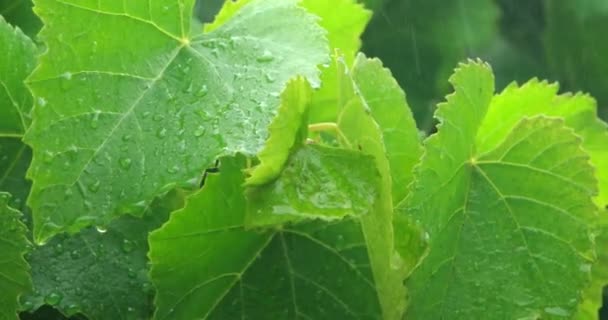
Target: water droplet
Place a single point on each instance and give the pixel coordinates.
(27, 306)
(557, 311)
(53, 299)
(157, 117)
(101, 229)
(94, 187)
(131, 273)
(269, 78)
(265, 57)
(95, 119)
(161, 133)
(72, 309)
(202, 92)
(199, 131)
(59, 249)
(67, 75)
(126, 137)
(173, 169)
(125, 163)
(127, 246)
(74, 254)
(41, 101)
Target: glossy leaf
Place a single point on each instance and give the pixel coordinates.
(540, 98)
(103, 273)
(286, 132)
(376, 120)
(14, 270)
(317, 183)
(508, 220)
(15, 103)
(158, 102)
(225, 271)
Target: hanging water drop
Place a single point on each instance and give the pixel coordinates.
(202, 91)
(125, 163)
(162, 133)
(41, 101)
(67, 75)
(199, 131)
(127, 246)
(265, 57)
(94, 187)
(101, 229)
(53, 299)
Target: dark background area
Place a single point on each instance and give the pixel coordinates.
(422, 41)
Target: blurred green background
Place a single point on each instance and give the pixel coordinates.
(422, 41)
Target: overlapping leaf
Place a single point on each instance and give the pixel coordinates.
(15, 104)
(157, 103)
(375, 119)
(504, 221)
(225, 271)
(14, 276)
(535, 98)
(102, 274)
(19, 13)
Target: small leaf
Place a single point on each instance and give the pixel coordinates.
(14, 270)
(287, 131)
(317, 183)
(144, 88)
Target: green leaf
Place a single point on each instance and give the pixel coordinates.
(19, 13)
(375, 119)
(15, 104)
(158, 103)
(14, 271)
(540, 98)
(287, 131)
(317, 183)
(344, 21)
(592, 299)
(422, 40)
(225, 271)
(102, 274)
(502, 224)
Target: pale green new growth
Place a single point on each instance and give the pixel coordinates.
(502, 222)
(157, 103)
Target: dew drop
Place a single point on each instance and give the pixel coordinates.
(265, 57)
(94, 187)
(95, 119)
(125, 163)
(131, 273)
(173, 169)
(72, 309)
(199, 131)
(162, 133)
(27, 306)
(74, 254)
(67, 75)
(126, 137)
(41, 101)
(101, 229)
(53, 299)
(202, 92)
(127, 246)
(269, 78)
(157, 117)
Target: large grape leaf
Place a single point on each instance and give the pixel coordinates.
(102, 274)
(509, 229)
(15, 103)
(14, 270)
(375, 119)
(422, 40)
(158, 102)
(534, 98)
(225, 271)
